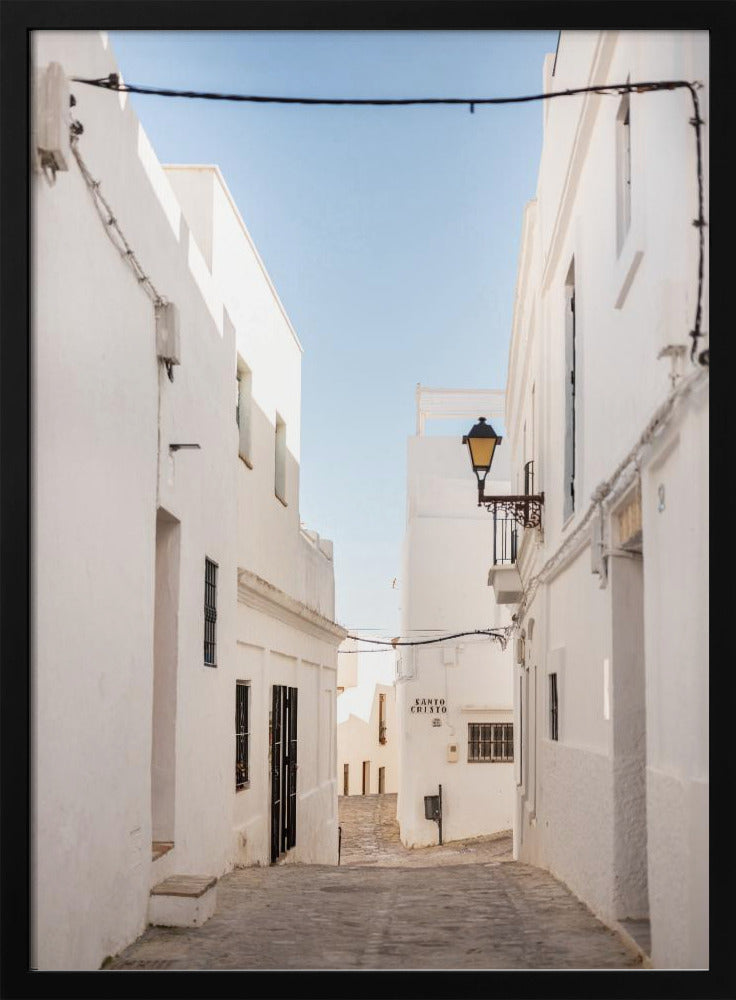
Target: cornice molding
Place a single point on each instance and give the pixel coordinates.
(261, 595)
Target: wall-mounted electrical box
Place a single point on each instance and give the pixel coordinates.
(167, 333)
(452, 753)
(448, 656)
(52, 118)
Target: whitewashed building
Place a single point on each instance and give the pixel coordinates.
(454, 699)
(604, 401)
(367, 739)
(184, 655)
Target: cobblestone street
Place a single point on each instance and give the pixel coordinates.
(465, 905)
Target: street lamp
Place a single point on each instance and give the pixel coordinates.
(481, 440)
(526, 509)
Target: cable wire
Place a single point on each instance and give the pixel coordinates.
(500, 635)
(605, 490)
(111, 225)
(113, 83)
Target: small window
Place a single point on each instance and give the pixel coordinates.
(553, 708)
(242, 735)
(382, 718)
(490, 742)
(210, 612)
(243, 410)
(346, 779)
(280, 469)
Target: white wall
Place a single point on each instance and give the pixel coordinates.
(105, 415)
(447, 557)
(599, 807)
(358, 739)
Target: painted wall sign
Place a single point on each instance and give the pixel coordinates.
(428, 706)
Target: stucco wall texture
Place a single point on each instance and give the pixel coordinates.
(617, 806)
(134, 735)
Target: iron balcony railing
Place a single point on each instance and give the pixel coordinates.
(506, 524)
(505, 538)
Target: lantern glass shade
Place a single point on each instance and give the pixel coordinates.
(481, 441)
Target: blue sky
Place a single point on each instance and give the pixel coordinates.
(391, 234)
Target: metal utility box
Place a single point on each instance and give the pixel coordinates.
(432, 807)
(452, 753)
(167, 333)
(52, 118)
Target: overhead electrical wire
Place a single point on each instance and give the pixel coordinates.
(113, 83)
(611, 489)
(499, 634)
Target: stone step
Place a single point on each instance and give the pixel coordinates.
(182, 901)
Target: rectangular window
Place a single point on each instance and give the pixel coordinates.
(210, 611)
(490, 742)
(553, 708)
(623, 171)
(243, 411)
(242, 734)
(382, 718)
(346, 779)
(570, 395)
(280, 467)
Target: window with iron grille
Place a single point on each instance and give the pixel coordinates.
(242, 734)
(210, 611)
(490, 742)
(553, 708)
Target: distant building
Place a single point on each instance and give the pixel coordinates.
(454, 699)
(184, 654)
(606, 406)
(367, 738)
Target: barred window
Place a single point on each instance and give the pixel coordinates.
(210, 611)
(242, 734)
(491, 742)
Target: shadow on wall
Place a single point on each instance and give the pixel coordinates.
(297, 562)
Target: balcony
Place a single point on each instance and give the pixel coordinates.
(504, 575)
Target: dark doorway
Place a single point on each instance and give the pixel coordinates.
(283, 749)
(381, 780)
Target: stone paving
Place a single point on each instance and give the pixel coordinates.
(465, 905)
